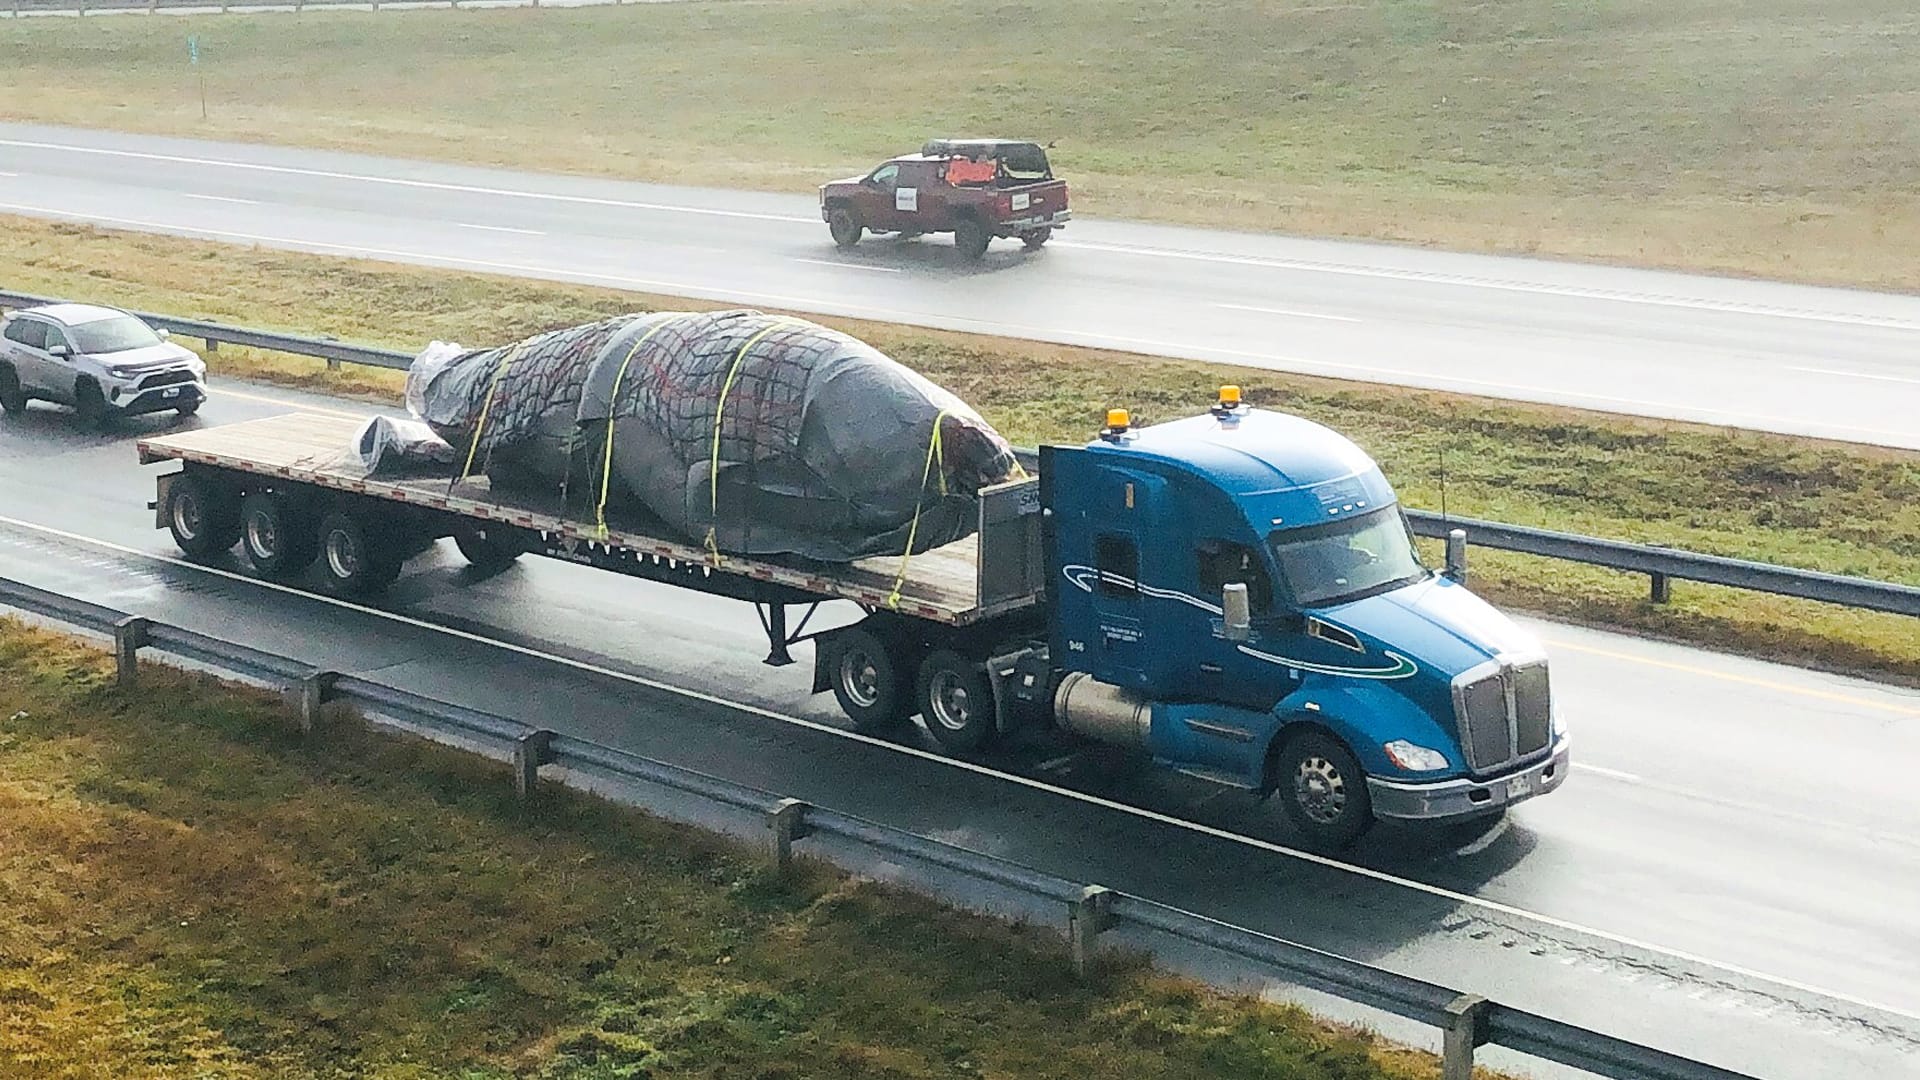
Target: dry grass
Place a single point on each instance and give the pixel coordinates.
(189, 890)
(1842, 509)
(1770, 137)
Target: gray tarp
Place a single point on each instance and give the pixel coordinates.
(824, 442)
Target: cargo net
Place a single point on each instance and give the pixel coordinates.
(749, 433)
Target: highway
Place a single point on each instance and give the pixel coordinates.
(1730, 874)
(1831, 363)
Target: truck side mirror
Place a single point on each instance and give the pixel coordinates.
(1237, 619)
(1456, 570)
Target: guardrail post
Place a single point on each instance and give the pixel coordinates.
(129, 637)
(786, 822)
(1457, 555)
(1662, 590)
(1087, 917)
(309, 694)
(1466, 1029)
(530, 751)
(212, 345)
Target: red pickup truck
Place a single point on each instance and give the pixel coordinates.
(976, 189)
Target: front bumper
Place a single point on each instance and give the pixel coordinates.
(1466, 797)
(159, 399)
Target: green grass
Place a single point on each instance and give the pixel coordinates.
(191, 890)
(1772, 137)
(1822, 506)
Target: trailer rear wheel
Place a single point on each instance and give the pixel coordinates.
(490, 548)
(869, 682)
(956, 700)
(355, 560)
(276, 538)
(203, 518)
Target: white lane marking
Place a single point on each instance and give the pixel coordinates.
(224, 392)
(1051, 764)
(222, 198)
(1631, 778)
(1183, 350)
(1621, 296)
(981, 770)
(393, 181)
(1855, 375)
(1288, 312)
(851, 266)
(500, 228)
(9, 174)
(1575, 291)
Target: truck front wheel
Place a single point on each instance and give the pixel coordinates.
(972, 238)
(1324, 790)
(845, 227)
(355, 561)
(869, 682)
(956, 700)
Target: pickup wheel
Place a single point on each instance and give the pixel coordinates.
(204, 519)
(275, 536)
(870, 682)
(1035, 239)
(972, 238)
(13, 399)
(490, 549)
(956, 701)
(845, 227)
(1324, 790)
(354, 559)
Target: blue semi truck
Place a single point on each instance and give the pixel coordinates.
(1235, 595)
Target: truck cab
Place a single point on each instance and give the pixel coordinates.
(1238, 595)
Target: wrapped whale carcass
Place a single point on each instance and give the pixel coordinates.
(751, 433)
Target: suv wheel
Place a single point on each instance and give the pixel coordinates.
(89, 404)
(13, 398)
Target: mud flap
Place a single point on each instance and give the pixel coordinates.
(163, 486)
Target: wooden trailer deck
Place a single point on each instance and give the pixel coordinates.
(942, 585)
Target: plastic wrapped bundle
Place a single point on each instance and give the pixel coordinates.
(751, 433)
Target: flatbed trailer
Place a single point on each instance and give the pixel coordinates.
(291, 492)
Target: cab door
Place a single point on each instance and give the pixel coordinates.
(1103, 531)
(873, 203)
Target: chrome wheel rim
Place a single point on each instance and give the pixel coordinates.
(860, 678)
(949, 701)
(263, 538)
(343, 555)
(186, 516)
(1320, 790)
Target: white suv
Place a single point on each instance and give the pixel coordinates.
(100, 360)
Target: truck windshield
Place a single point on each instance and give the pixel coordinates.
(1345, 560)
(112, 335)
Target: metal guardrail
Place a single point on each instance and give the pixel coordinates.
(84, 8)
(1661, 564)
(1467, 1021)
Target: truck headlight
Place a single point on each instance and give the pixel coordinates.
(1414, 758)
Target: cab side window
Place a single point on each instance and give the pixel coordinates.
(1222, 562)
(1118, 561)
(29, 332)
(885, 176)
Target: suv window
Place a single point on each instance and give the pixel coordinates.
(29, 332)
(1222, 562)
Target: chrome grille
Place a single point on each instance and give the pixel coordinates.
(1505, 712)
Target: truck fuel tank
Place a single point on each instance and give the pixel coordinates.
(1102, 711)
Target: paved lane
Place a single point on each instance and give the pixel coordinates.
(1834, 363)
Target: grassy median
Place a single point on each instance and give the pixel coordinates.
(1771, 137)
(1823, 506)
(191, 890)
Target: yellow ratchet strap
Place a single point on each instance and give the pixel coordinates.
(487, 407)
(613, 403)
(713, 467)
(934, 452)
